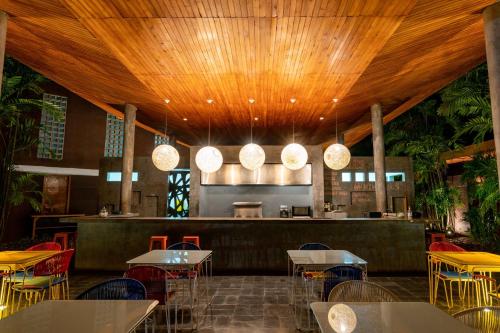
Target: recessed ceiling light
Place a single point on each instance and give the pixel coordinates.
(185, 119)
(167, 100)
(321, 118)
(293, 100)
(335, 100)
(256, 118)
(210, 101)
(251, 100)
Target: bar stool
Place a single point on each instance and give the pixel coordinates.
(67, 240)
(158, 242)
(191, 239)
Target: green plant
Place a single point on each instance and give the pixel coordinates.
(19, 106)
(484, 198)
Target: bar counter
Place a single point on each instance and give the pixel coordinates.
(252, 245)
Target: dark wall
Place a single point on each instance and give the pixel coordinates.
(84, 142)
(85, 135)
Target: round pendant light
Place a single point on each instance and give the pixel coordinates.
(342, 318)
(337, 156)
(294, 156)
(252, 156)
(165, 157)
(209, 159)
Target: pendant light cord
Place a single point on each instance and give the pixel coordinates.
(251, 121)
(166, 124)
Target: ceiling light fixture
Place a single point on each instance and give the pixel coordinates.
(209, 159)
(252, 156)
(294, 156)
(165, 157)
(337, 156)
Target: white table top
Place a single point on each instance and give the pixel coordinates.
(324, 257)
(388, 317)
(79, 317)
(171, 258)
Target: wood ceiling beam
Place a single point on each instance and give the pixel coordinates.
(468, 152)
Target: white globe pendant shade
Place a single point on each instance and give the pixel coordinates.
(209, 159)
(252, 156)
(294, 156)
(337, 156)
(342, 318)
(165, 157)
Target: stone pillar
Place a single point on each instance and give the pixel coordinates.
(379, 157)
(128, 158)
(3, 38)
(491, 16)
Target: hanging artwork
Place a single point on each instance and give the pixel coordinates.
(178, 193)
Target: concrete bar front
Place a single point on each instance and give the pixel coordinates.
(246, 246)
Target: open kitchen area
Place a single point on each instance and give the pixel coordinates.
(249, 216)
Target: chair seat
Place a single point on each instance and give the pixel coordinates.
(452, 275)
(38, 282)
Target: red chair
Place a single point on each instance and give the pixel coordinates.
(448, 275)
(47, 246)
(158, 243)
(46, 275)
(445, 246)
(155, 280)
(192, 239)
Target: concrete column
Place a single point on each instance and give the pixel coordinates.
(491, 16)
(128, 158)
(379, 157)
(3, 38)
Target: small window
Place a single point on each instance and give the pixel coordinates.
(51, 133)
(359, 176)
(114, 137)
(371, 176)
(346, 177)
(160, 140)
(116, 176)
(395, 176)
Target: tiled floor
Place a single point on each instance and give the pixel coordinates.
(261, 303)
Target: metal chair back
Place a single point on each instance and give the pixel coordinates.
(46, 246)
(484, 319)
(56, 265)
(314, 246)
(361, 291)
(338, 274)
(116, 289)
(154, 280)
(445, 246)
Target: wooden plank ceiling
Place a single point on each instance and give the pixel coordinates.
(144, 51)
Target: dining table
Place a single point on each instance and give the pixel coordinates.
(198, 262)
(16, 261)
(465, 263)
(314, 262)
(385, 317)
(80, 316)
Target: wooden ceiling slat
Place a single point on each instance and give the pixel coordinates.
(360, 51)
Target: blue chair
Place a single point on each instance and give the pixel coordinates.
(116, 289)
(338, 274)
(183, 246)
(314, 246)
